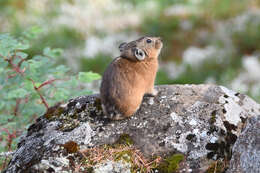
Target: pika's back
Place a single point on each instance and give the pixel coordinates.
(129, 77)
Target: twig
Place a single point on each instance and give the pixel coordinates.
(47, 83)
(21, 61)
(11, 76)
(157, 160)
(15, 67)
(18, 101)
(10, 137)
(140, 159)
(39, 93)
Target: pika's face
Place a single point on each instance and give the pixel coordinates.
(141, 49)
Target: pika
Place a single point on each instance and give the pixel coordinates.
(129, 77)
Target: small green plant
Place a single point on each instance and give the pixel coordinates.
(30, 85)
(171, 163)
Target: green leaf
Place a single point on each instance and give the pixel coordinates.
(28, 85)
(3, 63)
(84, 92)
(8, 45)
(1, 70)
(15, 141)
(61, 94)
(61, 69)
(17, 93)
(10, 125)
(37, 84)
(2, 104)
(73, 82)
(53, 53)
(5, 118)
(46, 63)
(31, 109)
(22, 45)
(22, 54)
(34, 66)
(33, 32)
(88, 76)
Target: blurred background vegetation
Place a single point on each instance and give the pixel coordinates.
(205, 41)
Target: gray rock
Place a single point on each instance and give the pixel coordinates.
(246, 151)
(200, 121)
(113, 167)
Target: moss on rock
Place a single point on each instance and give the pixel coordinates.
(125, 139)
(171, 163)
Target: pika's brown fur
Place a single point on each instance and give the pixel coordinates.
(129, 77)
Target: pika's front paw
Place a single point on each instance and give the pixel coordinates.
(152, 93)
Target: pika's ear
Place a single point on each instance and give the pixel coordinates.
(122, 46)
(139, 54)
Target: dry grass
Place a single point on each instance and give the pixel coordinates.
(130, 154)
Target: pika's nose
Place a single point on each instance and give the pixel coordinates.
(159, 38)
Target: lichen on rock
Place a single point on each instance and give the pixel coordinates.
(116, 167)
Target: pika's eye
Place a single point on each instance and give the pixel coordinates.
(148, 41)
